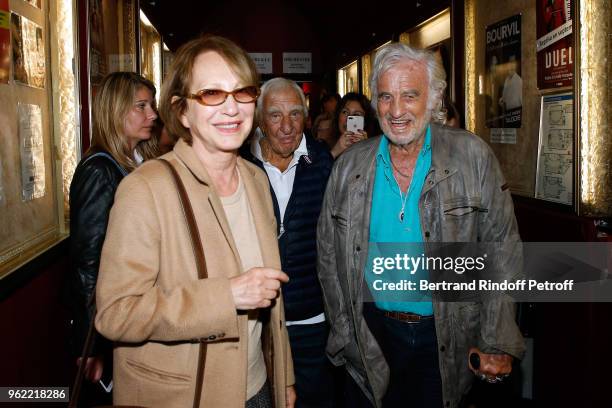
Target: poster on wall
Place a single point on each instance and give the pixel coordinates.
(31, 151)
(97, 53)
(28, 52)
(263, 61)
(5, 41)
(503, 135)
(297, 62)
(504, 85)
(554, 43)
(556, 149)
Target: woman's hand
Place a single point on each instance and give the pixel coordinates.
(257, 287)
(347, 139)
(93, 368)
(344, 141)
(358, 136)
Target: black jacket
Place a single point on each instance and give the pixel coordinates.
(298, 242)
(92, 193)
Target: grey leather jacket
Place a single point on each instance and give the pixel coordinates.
(464, 174)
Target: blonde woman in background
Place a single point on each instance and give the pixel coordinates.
(124, 114)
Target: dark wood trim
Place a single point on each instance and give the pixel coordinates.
(457, 74)
(83, 72)
(22, 276)
(137, 34)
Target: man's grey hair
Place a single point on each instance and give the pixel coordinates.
(396, 53)
(276, 84)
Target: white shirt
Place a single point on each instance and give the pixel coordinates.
(138, 157)
(282, 184)
(281, 181)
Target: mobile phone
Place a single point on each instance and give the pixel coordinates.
(354, 123)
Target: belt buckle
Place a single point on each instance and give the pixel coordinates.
(404, 317)
(410, 317)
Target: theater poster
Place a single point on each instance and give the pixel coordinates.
(504, 85)
(97, 51)
(554, 43)
(5, 41)
(28, 51)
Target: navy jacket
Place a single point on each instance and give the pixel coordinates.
(298, 243)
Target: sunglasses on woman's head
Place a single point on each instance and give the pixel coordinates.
(214, 97)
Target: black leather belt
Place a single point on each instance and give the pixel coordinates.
(406, 317)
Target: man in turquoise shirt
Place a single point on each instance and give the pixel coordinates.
(393, 220)
(388, 197)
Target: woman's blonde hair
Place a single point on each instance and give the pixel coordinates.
(173, 101)
(112, 103)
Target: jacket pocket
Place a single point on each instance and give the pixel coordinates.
(336, 342)
(143, 370)
(340, 220)
(462, 206)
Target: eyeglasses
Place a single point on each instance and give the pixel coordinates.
(214, 97)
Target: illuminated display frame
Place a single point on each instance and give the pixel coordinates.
(592, 96)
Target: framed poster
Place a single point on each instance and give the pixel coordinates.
(504, 85)
(97, 51)
(554, 45)
(5, 42)
(297, 62)
(31, 151)
(263, 61)
(29, 65)
(554, 174)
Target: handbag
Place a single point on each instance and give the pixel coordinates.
(200, 260)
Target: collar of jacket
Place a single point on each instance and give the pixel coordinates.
(314, 152)
(361, 186)
(257, 201)
(442, 162)
(188, 157)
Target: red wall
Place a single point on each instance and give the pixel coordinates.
(33, 343)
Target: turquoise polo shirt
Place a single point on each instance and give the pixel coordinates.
(386, 227)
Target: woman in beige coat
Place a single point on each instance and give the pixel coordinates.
(149, 298)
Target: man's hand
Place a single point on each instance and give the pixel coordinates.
(93, 368)
(290, 396)
(257, 287)
(493, 367)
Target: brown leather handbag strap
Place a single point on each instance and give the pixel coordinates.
(198, 251)
(190, 219)
(87, 349)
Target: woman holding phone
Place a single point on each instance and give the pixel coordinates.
(355, 111)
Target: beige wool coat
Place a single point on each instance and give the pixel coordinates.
(152, 305)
